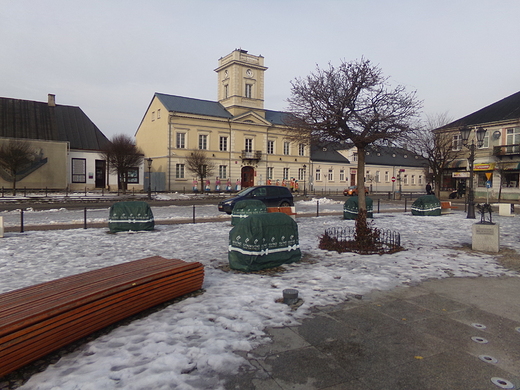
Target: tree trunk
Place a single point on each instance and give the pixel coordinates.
(14, 184)
(362, 202)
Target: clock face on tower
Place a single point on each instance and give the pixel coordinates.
(249, 73)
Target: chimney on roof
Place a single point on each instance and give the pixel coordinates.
(51, 100)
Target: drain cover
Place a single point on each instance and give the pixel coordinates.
(480, 340)
(502, 383)
(478, 326)
(488, 359)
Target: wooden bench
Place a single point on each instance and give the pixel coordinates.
(39, 319)
(446, 207)
(289, 210)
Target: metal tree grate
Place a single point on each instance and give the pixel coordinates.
(344, 240)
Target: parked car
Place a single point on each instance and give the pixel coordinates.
(353, 191)
(272, 196)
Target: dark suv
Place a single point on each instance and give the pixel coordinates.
(272, 196)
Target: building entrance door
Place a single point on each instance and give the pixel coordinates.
(248, 177)
(101, 171)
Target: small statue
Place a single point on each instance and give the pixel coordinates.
(483, 209)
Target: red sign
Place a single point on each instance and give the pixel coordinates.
(393, 179)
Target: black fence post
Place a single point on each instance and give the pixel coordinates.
(378, 205)
(21, 221)
(317, 207)
(193, 213)
(85, 218)
(405, 204)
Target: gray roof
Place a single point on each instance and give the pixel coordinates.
(193, 106)
(277, 117)
(210, 108)
(393, 156)
(376, 155)
(328, 153)
(503, 110)
(37, 120)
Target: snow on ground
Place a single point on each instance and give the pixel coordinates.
(186, 345)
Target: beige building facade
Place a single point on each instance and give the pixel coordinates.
(246, 144)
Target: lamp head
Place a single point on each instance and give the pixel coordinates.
(149, 161)
(481, 133)
(464, 134)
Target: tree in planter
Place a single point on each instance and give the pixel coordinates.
(15, 156)
(122, 155)
(200, 165)
(351, 105)
(436, 147)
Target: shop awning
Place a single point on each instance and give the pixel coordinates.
(509, 166)
(459, 163)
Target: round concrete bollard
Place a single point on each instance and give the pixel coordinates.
(290, 296)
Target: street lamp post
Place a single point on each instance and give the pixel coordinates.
(304, 174)
(149, 161)
(464, 135)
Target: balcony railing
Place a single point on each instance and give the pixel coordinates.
(506, 150)
(251, 155)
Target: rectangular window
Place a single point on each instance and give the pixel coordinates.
(222, 171)
(485, 143)
(510, 180)
(249, 145)
(420, 179)
(203, 142)
(456, 142)
(378, 177)
(513, 138)
(223, 144)
(286, 173)
(180, 141)
(482, 179)
(387, 176)
(270, 173)
(159, 113)
(133, 175)
(318, 174)
(331, 175)
(179, 171)
(341, 175)
(226, 91)
(301, 174)
(270, 147)
(286, 148)
(354, 157)
(79, 170)
(301, 150)
(405, 180)
(153, 116)
(249, 91)
(413, 180)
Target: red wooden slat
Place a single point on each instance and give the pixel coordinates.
(39, 319)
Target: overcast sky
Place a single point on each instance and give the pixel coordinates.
(110, 56)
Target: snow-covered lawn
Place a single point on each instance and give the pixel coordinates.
(185, 345)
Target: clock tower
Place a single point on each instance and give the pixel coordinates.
(241, 82)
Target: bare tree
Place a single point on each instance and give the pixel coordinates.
(15, 156)
(200, 165)
(351, 105)
(436, 147)
(122, 155)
